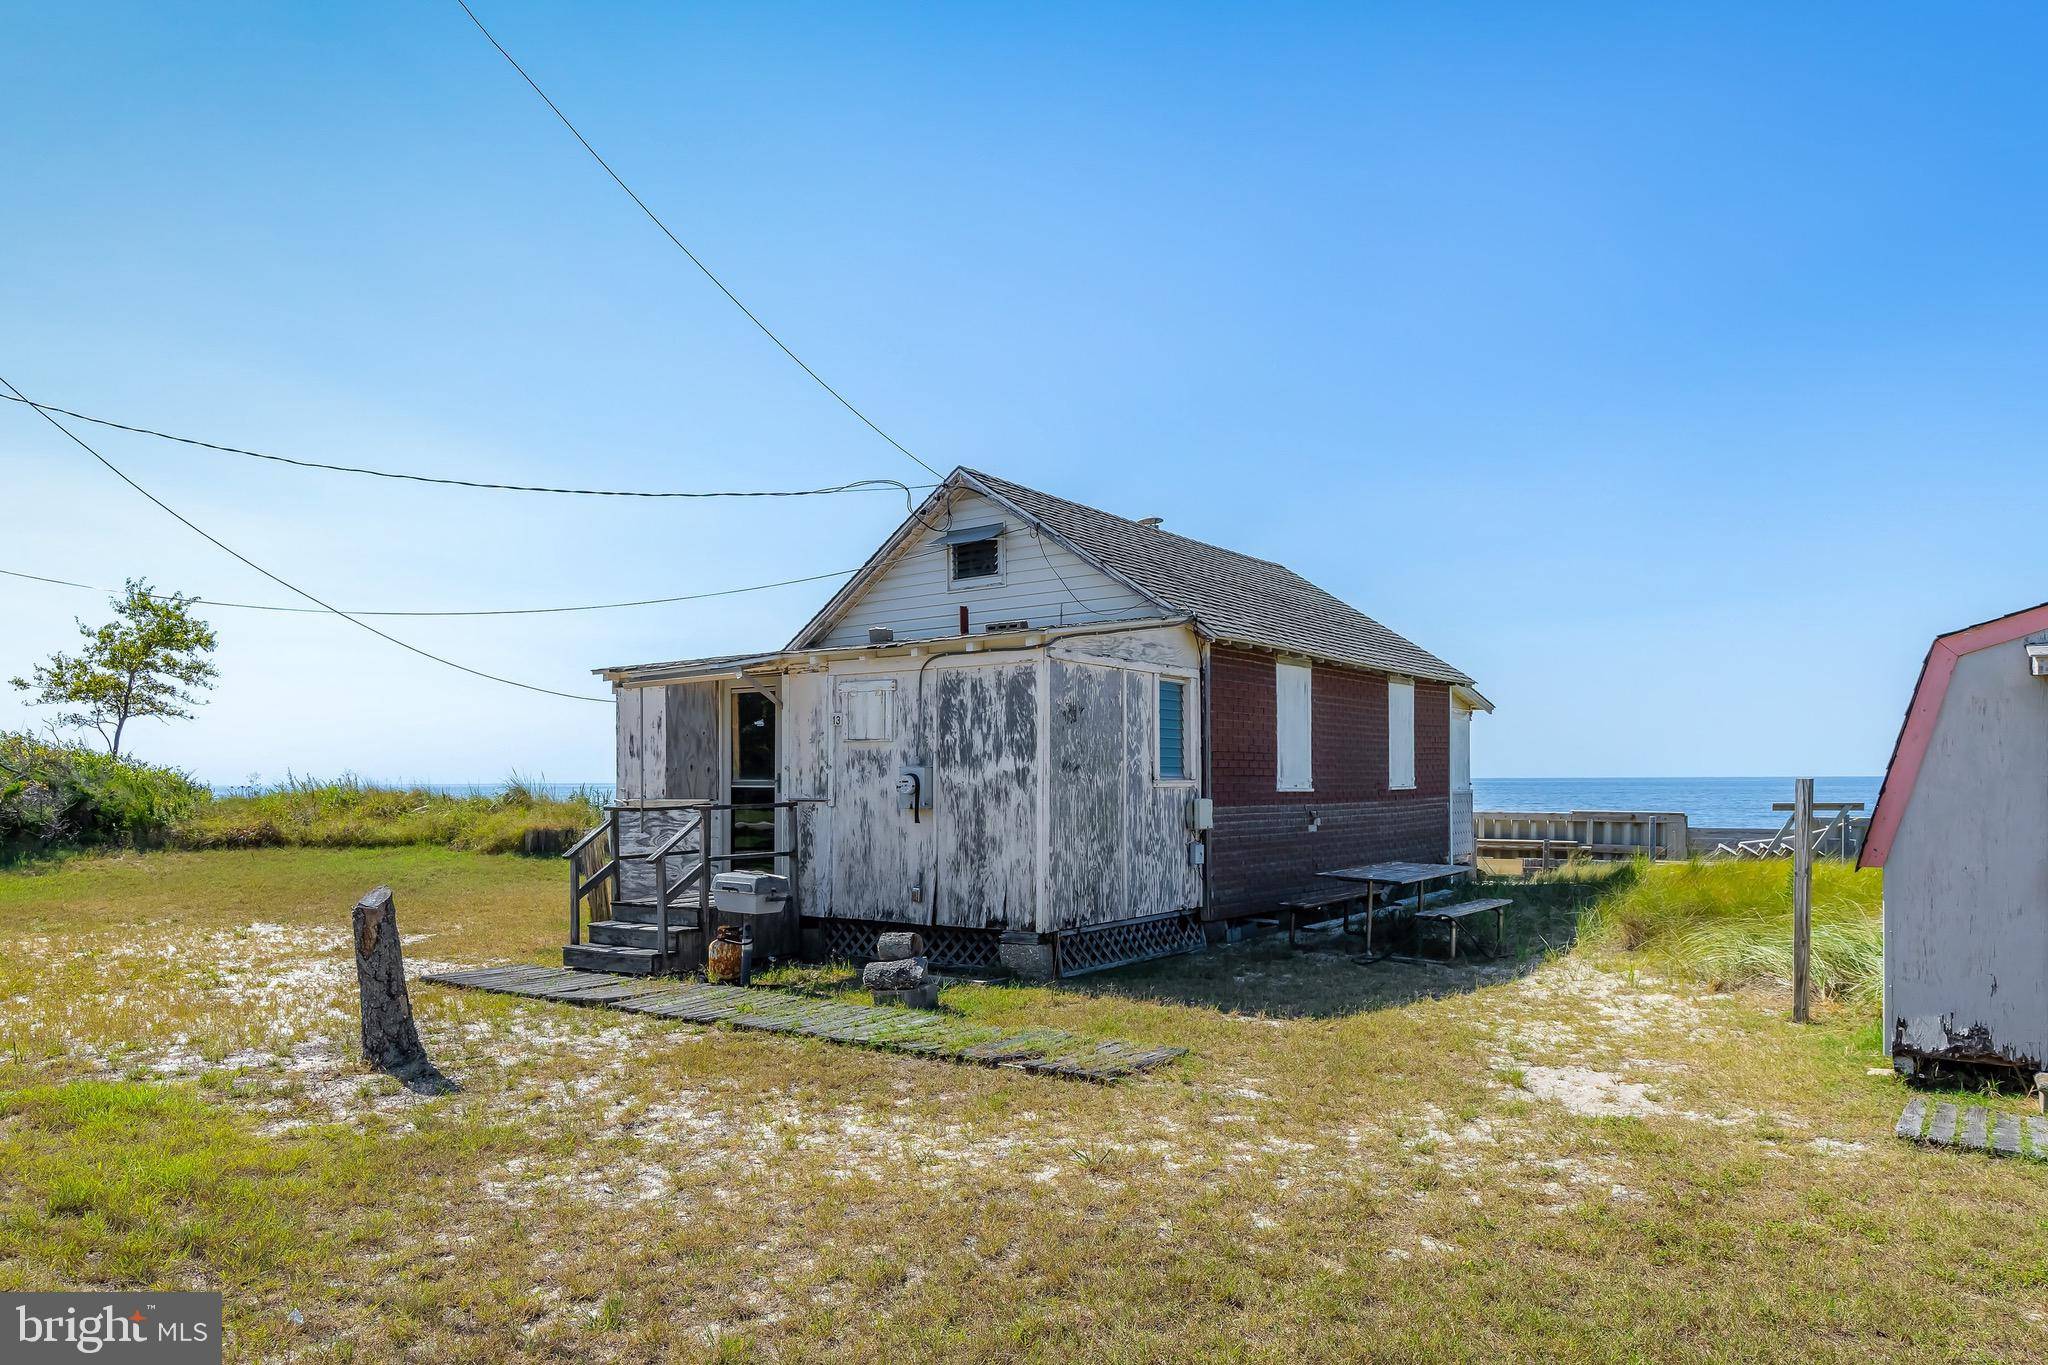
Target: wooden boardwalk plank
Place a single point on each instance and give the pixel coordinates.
(2005, 1135)
(1944, 1129)
(1973, 1127)
(922, 1033)
(1913, 1119)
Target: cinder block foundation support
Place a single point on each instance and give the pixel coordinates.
(1027, 956)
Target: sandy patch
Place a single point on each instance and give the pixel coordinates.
(1596, 1094)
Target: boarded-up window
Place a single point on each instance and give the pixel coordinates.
(1291, 727)
(1400, 734)
(1173, 729)
(867, 709)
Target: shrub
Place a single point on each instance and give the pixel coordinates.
(55, 796)
(1730, 923)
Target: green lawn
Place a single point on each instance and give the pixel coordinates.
(1558, 1157)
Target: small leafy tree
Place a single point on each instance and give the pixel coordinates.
(145, 662)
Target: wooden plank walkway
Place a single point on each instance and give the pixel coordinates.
(1973, 1128)
(923, 1033)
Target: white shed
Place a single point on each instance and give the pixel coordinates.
(1961, 831)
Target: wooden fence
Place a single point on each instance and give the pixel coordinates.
(1551, 837)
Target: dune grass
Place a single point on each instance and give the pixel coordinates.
(1729, 924)
(348, 813)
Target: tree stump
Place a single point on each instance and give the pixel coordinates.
(390, 1042)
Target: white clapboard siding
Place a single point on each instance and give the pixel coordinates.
(1400, 734)
(1293, 708)
(1041, 583)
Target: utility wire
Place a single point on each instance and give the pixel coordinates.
(499, 611)
(228, 549)
(655, 218)
(858, 486)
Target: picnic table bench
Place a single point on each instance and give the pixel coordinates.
(1313, 907)
(1350, 890)
(1454, 915)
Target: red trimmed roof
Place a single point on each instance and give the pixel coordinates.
(1921, 713)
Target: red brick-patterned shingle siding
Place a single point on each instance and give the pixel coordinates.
(1262, 849)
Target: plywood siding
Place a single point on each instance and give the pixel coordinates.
(641, 831)
(668, 742)
(985, 775)
(634, 705)
(806, 751)
(690, 767)
(1174, 648)
(1157, 815)
(667, 749)
(1086, 800)
(878, 854)
(1966, 883)
(1119, 836)
(1041, 583)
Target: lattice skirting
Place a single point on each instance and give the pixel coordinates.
(1114, 945)
(966, 950)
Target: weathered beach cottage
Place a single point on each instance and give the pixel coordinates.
(1961, 831)
(1048, 737)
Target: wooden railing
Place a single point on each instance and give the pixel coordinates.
(581, 887)
(697, 820)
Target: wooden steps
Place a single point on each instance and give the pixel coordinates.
(619, 933)
(600, 957)
(923, 1033)
(642, 912)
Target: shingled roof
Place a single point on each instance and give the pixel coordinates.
(1233, 596)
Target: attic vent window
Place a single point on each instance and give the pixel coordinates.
(975, 553)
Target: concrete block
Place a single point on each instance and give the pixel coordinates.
(1027, 956)
(922, 997)
(901, 975)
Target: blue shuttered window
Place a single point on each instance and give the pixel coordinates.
(1173, 741)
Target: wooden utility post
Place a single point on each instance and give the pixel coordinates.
(1802, 894)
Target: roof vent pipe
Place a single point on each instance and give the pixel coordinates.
(1150, 521)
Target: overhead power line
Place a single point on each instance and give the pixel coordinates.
(655, 218)
(857, 486)
(292, 587)
(491, 611)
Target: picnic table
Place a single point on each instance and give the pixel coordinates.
(1393, 876)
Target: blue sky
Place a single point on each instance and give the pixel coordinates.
(1676, 373)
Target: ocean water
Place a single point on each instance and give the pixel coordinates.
(1743, 802)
